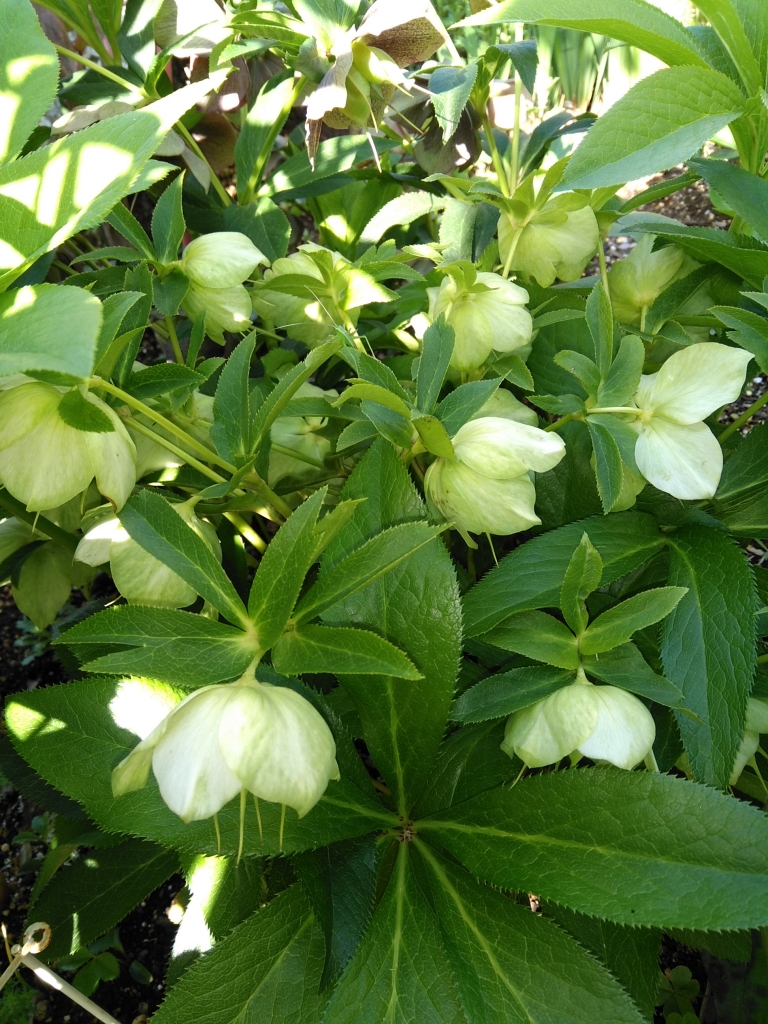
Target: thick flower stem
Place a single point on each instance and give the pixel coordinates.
(744, 418)
(217, 186)
(243, 795)
(177, 353)
(495, 155)
(515, 168)
(37, 522)
(247, 531)
(562, 421)
(511, 254)
(179, 452)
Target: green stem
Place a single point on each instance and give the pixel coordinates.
(511, 253)
(300, 457)
(613, 409)
(40, 523)
(218, 187)
(498, 164)
(177, 353)
(762, 659)
(563, 420)
(745, 416)
(247, 531)
(190, 460)
(105, 72)
(515, 168)
(168, 425)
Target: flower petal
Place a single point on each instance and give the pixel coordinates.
(195, 780)
(48, 466)
(684, 460)
(278, 745)
(624, 729)
(552, 728)
(477, 504)
(747, 750)
(695, 381)
(503, 448)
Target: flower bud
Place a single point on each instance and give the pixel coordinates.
(221, 259)
(225, 309)
(486, 312)
(45, 461)
(140, 577)
(756, 723)
(239, 736)
(486, 487)
(556, 241)
(603, 723)
(637, 281)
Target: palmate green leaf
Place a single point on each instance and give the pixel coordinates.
(624, 374)
(231, 429)
(632, 21)
(29, 74)
(98, 890)
(617, 625)
(436, 352)
(363, 566)
(450, 89)
(608, 467)
(168, 223)
(532, 575)
(723, 16)
(750, 330)
(416, 607)
(625, 666)
(400, 973)
(269, 968)
(660, 122)
(73, 735)
(470, 761)
(582, 577)
(742, 254)
(27, 341)
(630, 954)
(461, 404)
(708, 647)
(637, 848)
(340, 881)
(539, 636)
(340, 650)
(280, 576)
(179, 647)
(51, 194)
(600, 323)
(745, 193)
(263, 222)
(516, 966)
(151, 381)
(524, 56)
(503, 694)
(152, 523)
(745, 472)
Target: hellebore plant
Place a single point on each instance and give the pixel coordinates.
(383, 504)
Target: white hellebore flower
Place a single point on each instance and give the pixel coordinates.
(45, 459)
(675, 450)
(487, 488)
(756, 723)
(140, 577)
(224, 739)
(487, 313)
(216, 265)
(603, 723)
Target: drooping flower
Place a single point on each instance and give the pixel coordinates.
(675, 450)
(637, 281)
(486, 488)
(603, 723)
(216, 265)
(553, 241)
(487, 313)
(222, 739)
(140, 577)
(45, 460)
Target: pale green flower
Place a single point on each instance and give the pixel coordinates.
(487, 314)
(603, 723)
(487, 487)
(756, 723)
(675, 450)
(225, 309)
(221, 259)
(44, 461)
(551, 242)
(222, 739)
(637, 281)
